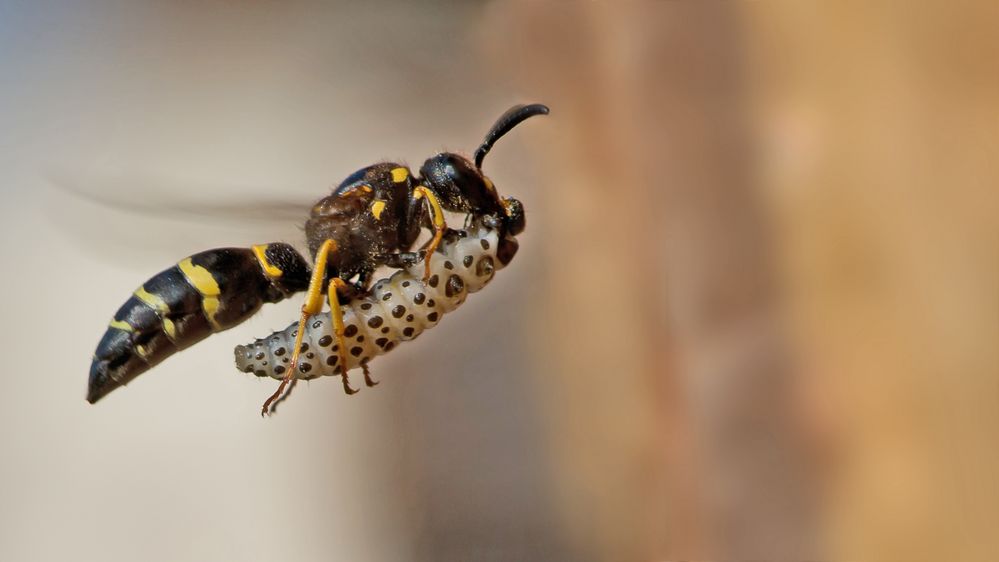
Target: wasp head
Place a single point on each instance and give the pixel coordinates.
(461, 186)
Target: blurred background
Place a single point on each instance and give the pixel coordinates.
(755, 314)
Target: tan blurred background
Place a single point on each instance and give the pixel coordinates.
(755, 314)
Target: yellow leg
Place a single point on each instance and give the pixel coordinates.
(439, 225)
(313, 305)
(338, 329)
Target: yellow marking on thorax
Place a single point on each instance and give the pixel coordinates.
(201, 279)
(376, 209)
(489, 184)
(121, 325)
(142, 352)
(399, 175)
(161, 308)
(271, 270)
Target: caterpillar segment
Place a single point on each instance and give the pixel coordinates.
(205, 293)
(396, 309)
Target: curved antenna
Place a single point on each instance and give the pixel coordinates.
(513, 117)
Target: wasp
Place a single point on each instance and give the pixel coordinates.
(373, 218)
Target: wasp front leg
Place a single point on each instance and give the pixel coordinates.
(437, 220)
(314, 305)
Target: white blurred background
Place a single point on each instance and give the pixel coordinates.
(754, 314)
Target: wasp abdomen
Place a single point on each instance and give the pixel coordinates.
(397, 309)
(208, 292)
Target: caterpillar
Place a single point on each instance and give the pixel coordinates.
(396, 309)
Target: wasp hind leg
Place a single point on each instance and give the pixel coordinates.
(338, 285)
(314, 305)
(367, 375)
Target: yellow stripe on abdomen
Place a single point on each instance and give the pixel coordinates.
(271, 270)
(121, 325)
(154, 301)
(203, 282)
(162, 309)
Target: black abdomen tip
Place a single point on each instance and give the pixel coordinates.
(104, 377)
(100, 383)
(115, 364)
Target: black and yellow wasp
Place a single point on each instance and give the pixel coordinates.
(372, 219)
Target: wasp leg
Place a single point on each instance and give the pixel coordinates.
(338, 285)
(438, 221)
(285, 396)
(313, 305)
(367, 375)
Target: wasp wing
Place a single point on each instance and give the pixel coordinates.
(145, 220)
(168, 200)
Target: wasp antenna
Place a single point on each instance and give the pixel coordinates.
(513, 117)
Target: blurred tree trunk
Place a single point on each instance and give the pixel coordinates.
(667, 371)
(883, 127)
